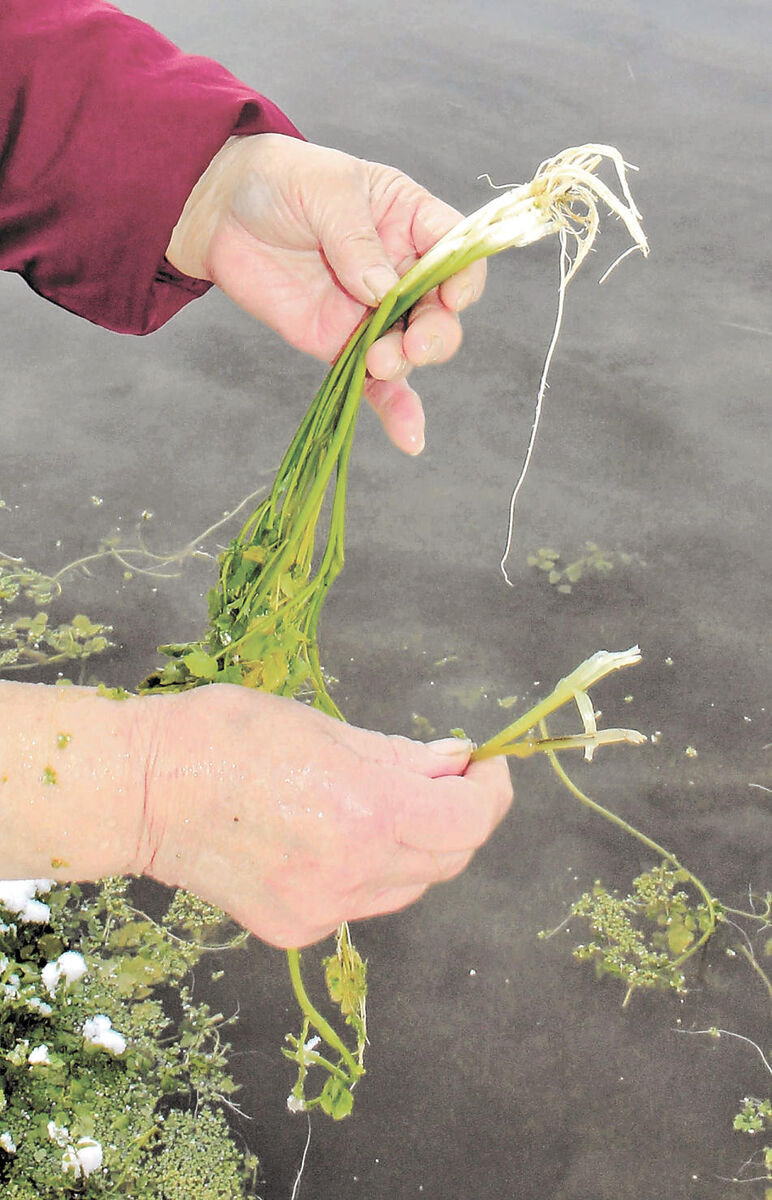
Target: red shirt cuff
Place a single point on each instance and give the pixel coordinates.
(105, 128)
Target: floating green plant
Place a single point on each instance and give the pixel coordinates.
(28, 641)
(592, 561)
(114, 1080)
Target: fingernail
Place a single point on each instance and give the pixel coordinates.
(433, 350)
(414, 444)
(466, 297)
(400, 368)
(457, 747)
(379, 280)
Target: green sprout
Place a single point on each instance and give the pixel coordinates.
(619, 946)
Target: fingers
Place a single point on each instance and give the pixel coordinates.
(400, 411)
(433, 219)
(355, 251)
(465, 287)
(457, 813)
(433, 335)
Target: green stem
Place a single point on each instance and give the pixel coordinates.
(318, 1060)
(762, 918)
(322, 1027)
(751, 957)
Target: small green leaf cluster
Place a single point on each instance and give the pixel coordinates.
(592, 560)
(755, 1117)
(96, 1059)
(262, 616)
(345, 974)
(28, 641)
(642, 938)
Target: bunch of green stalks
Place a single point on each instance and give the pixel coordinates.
(264, 611)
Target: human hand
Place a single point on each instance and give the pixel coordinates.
(306, 238)
(293, 822)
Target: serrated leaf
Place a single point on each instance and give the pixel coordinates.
(200, 664)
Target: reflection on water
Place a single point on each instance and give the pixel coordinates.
(497, 1063)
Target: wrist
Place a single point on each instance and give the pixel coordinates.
(190, 772)
(72, 781)
(192, 235)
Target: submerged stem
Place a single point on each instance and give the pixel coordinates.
(608, 815)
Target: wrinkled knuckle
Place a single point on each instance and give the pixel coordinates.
(356, 238)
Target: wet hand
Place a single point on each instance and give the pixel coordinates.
(306, 239)
(292, 821)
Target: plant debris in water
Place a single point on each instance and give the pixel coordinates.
(592, 561)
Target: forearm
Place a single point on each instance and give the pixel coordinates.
(72, 771)
(105, 126)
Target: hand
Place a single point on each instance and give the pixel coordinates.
(292, 821)
(306, 239)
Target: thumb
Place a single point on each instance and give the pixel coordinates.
(356, 254)
(447, 756)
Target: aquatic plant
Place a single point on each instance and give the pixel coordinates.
(113, 1079)
(264, 610)
(28, 641)
(592, 560)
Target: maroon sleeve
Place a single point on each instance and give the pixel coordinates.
(105, 126)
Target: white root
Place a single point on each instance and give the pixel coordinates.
(567, 191)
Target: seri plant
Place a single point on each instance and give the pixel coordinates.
(264, 610)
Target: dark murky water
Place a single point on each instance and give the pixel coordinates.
(498, 1066)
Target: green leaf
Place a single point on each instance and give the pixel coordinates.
(50, 946)
(83, 627)
(256, 646)
(679, 938)
(336, 1100)
(200, 664)
(133, 933)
